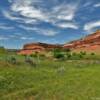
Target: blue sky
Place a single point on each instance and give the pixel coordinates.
(49, 21)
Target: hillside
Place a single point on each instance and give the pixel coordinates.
(90, 43)
(37, 47)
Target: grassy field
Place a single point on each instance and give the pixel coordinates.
(50, 80)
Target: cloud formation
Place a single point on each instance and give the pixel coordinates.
(33, 12)
(91, 25)
(43, 20)
(3, 38)
(97, 5)
(6, 27)
(67, 25)
(41, 31)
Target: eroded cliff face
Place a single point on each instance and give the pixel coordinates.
(91, 42)
(28, 49)
(41, 45)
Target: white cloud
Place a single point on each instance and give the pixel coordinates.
(10, 1)
(31, 14)
(42, 31)
(65, 11)
(47, 32)
(16, 37)
(27, 28)
(9, 15)
(91, 25)
(3, 38)
(26, 38)
(25, 9)
(97, 5)
(5, 27)
(87, 4)
(27, 16)
(67, 25)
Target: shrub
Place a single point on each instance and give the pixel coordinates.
(34, 55)
(92, 53)
(57, 53)
(67, 50)
(12, 60)
(30, 61)
(68, 55)
(80, 55)
(83, 53)
(74, 54)
(77, 55)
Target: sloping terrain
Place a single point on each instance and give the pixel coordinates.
(37, 47)
(90, 43)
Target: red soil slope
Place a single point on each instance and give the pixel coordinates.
(90, 43)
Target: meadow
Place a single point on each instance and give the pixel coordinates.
(49, 79)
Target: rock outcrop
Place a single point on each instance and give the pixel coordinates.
(37, 47)
(88, 43)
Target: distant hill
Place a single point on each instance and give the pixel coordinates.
(8, 51)
(2, 50)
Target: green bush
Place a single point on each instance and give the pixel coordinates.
(92, 53)
(67, 50)
(30, 61)
(12, 60)
(83, 53)
(57, 53)
(77, 56)
(68, 55)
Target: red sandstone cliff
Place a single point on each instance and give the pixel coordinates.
(88, 43)
(37, 47)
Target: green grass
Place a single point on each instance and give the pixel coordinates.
(50, 80)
